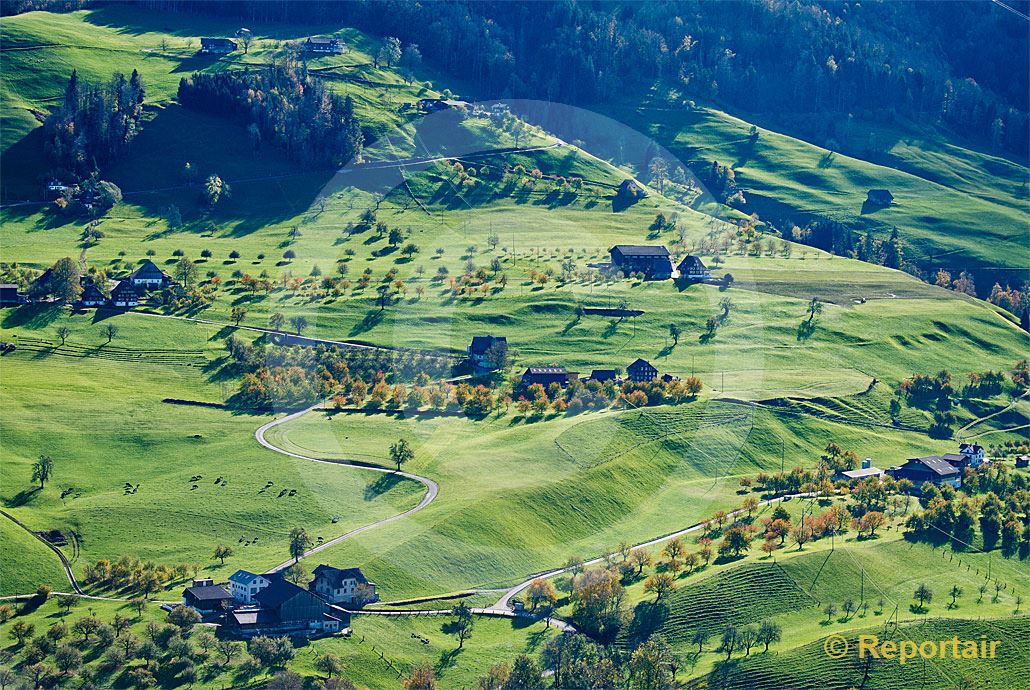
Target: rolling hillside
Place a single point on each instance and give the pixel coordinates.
(451, 226)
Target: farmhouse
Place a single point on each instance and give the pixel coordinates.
(692, 268)
(283, 608)
(432, 105)
(641, 371)
(632, 189)
(654, 262)
(149, 277)
(602, 375)
(931, 469)
(324, 44)
(1023, 461)
(244, 585)
(880, 197)
(865, 472)
(217, 46)
(206, 597)
(343, 586)
(974, 452)
(124, 295)
(91, 295)
(41, 285)
(10, 296)
(485, 350)
(545, 376)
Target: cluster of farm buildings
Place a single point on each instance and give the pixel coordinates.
(124, 293)
(326, 45)
(655, 262)
(252, 604)
(485, 351)
(936, 469)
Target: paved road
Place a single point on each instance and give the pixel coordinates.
(502, 604)
(432, 488)
(557, 623)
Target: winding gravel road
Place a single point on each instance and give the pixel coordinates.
(432, 488)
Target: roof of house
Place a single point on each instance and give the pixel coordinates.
(691, 262)
(336, 576)
(209, 40)
(43, 277)
(970, 448)
(255, 617)
(323, 39)
(603, 374)
(640, 363)
(278, 592)
(631, 184)
(244, 577)
(935, 464)
(954, 458)
(545, 370)
(641, 250)
(123, 286)
(147, 270)
(482, 343)
(208, 592)
(862, 473)
(91, 293)
(8, 286)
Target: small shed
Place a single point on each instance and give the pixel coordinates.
(205, 597)
(632, 189)
(879, 197)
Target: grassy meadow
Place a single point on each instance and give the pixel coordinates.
(526, 495)
(106, 427)
(954, 205)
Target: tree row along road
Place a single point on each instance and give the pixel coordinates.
(503, 604)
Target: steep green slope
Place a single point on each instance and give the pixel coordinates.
(954, 206)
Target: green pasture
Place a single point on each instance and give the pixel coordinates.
(27, 563)
(519, 496)
(105, 425)
(954, 205)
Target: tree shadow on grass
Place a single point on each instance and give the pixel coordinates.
(447, 659)
(805, 330)
(380, 486)
(32, 316)
(22, 497)
(372, 319)
(648, 618)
